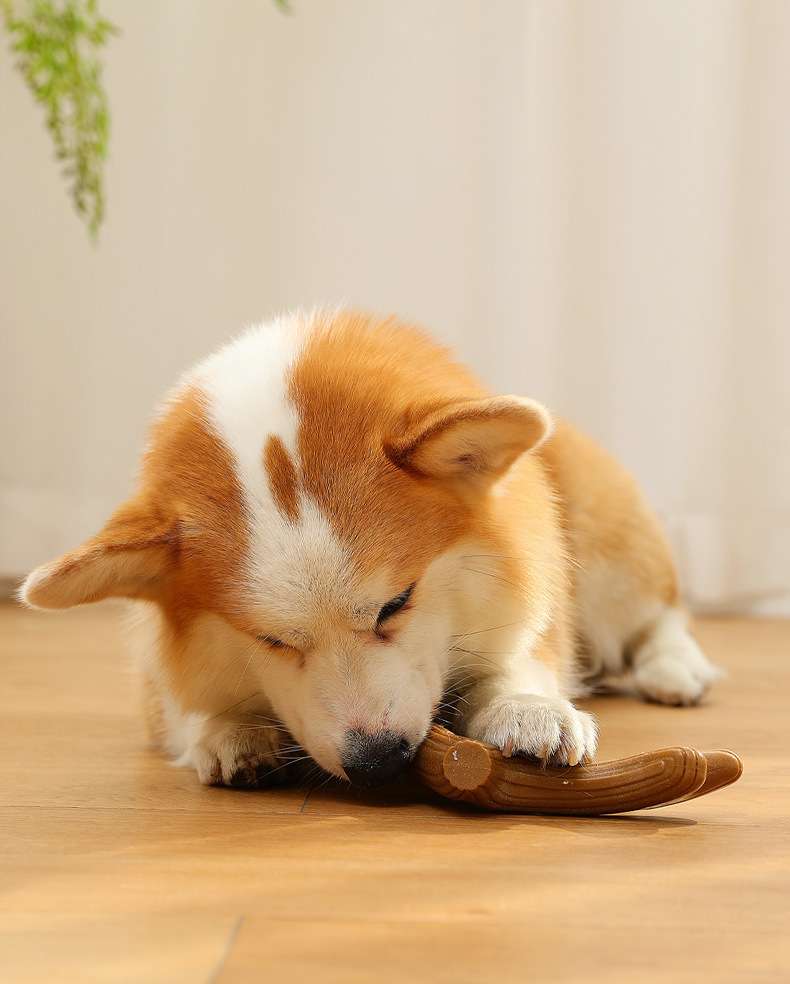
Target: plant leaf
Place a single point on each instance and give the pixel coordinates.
(58, 44)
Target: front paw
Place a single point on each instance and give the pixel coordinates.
(545, 728)
(242, 757)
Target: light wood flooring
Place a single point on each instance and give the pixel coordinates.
(118, 867)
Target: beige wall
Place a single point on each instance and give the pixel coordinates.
(590, 200)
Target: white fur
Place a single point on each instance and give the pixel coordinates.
(299, 577)
(669, 666)
(28, 587)
(611, 610)
(293, 567)
(467, 629)
(246, 382)
(548, 728)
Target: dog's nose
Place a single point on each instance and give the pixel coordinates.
(370, 760)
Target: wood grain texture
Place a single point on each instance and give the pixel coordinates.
(118, 867)
(475, 773)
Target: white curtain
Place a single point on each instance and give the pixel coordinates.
(590, 200)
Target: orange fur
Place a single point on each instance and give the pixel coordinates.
(354, 388)
(369, 399)
(605, 515)
(283, 480)
(407, 457)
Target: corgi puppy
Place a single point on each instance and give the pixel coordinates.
(336, 525)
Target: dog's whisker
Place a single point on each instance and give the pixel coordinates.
(253, 648)
(496, 576)
(494, 628)
(272, 722)
(253, 726)
(233, 706)
(329, 777)
(285, 765)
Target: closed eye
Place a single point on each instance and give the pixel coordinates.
(271, 641)
(393, 606)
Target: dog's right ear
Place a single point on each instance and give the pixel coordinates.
(126, 560)
(473, 442)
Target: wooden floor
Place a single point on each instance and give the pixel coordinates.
(119, 867)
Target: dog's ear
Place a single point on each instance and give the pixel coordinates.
(127, 559)
(476, 440)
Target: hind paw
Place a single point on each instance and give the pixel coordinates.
(667, 679)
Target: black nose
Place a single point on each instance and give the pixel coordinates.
(370, 760)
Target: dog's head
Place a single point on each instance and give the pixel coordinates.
(313, 486)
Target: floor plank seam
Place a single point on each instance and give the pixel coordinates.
(229, 944)
(116, 865)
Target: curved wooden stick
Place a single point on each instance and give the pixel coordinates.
(462, 769)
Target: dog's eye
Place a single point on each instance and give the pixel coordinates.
(394, 605)
(271, 641)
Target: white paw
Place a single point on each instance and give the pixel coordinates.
(669, 666)
(671, 679)
(546, 728)
(242, 756)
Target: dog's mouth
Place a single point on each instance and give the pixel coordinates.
(365, 760)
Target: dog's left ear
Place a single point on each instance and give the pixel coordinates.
(127, 559)
(477, 440)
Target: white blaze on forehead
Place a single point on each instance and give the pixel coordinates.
(292, 567)
(247, 385)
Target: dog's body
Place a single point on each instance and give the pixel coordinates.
(336, 524)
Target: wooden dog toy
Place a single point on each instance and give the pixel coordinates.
(462, 769)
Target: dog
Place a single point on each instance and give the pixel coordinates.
(336, 525)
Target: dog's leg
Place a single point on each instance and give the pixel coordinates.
(227, 741)
(625, 585)
(522, 711)
(668, 665)
(242, 754)
(249, 752)
(637, 639)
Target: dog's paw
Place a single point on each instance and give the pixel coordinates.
(669, 667)
(545, 728)
(242, 756)
(669, 679)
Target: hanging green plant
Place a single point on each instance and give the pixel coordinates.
(58, 45)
